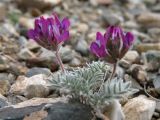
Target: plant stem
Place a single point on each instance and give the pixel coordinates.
(60, 61)
(114, 71)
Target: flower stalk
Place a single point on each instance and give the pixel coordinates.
(112, 45)
(113, 71)
(51, 33)
(60, 60)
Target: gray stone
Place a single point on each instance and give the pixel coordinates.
(38, 70)
(22, 42)
(152, 60)
(82, 47)
(112, 19)
(49, 56)
(71, 111)
(66, 54)
(156, 83)
(32, 45)
(3, 101)
(75, 62)
(26, 54)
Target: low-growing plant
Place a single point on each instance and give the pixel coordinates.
(87, 84)
(94, 84)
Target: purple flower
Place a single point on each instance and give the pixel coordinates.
(112, 45)
(50, 32)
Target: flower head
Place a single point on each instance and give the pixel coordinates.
(50, 32)
(112, 45)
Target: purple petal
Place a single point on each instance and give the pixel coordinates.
(65, 23)
(56, 32)
(100, 38)
(108, 34)
(44, 26)
(64, 36)
(31, 34)
(129, 38)
(113, 32)
(57, 20)
(99, 51)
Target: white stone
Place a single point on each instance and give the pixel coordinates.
(139, 108)
(131, 56)
(19, 87)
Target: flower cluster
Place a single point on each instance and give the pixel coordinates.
(50, 32)
(112, 45)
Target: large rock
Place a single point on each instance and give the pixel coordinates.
(35, 86)
(39, 115)
(22, 109)
(70, 111)
(139, 108)
(47, 109)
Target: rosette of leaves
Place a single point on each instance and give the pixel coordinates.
(87, 84)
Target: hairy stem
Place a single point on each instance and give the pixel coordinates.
(113, 72)
(105, 76)
(60, 61)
